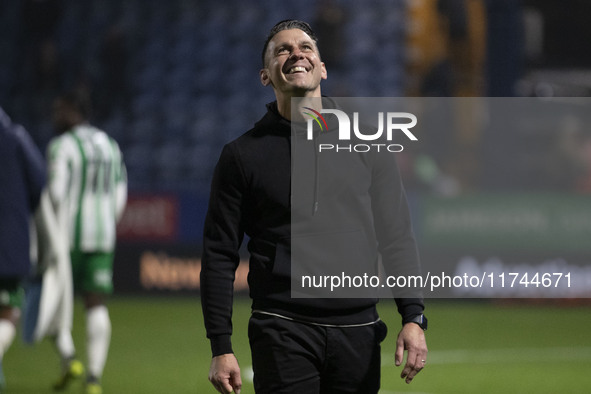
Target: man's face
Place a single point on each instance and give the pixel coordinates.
(293, 65)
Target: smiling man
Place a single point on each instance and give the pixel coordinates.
(292, 65)
(303, 346)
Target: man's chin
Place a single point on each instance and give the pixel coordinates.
(301, 86)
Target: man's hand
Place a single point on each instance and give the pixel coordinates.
(224, 374)
(412, 339)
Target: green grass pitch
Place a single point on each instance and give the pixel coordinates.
(159, 346)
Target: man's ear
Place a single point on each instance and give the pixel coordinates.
(324, 73)
(265, 77)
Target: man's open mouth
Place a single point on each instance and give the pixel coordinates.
(297, 69)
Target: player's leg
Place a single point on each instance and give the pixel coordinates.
(10, 301)
(7, 333)
(286, 356)
(97, 285)
(71, 367)
(98, 338)
(353, 360)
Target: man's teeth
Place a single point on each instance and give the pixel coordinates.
(297, 69)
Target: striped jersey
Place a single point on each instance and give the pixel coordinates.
(88, 187)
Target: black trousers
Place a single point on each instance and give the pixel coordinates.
(295, 357)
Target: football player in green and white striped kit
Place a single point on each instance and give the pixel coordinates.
(88, 188)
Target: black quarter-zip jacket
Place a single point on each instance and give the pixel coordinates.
(252, 194)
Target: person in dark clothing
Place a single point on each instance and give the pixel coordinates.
(298, 345)
(22, 177)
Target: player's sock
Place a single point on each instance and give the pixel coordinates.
(98, 337)
(7, 333)
(65, 345)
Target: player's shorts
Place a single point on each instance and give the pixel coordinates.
(92, 271)
(11, 293)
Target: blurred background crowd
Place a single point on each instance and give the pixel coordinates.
(172, 81)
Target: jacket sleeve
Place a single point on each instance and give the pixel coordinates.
(396, 242)
(222, 237)
(59, 169)
(34, 165)
(121, 186)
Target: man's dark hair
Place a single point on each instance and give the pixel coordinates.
(79, 100)
(288, 24)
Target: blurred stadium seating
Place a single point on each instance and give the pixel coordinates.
(192, 74)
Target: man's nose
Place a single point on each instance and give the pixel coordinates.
(297, 53)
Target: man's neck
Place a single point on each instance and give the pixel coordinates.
(284, 104)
